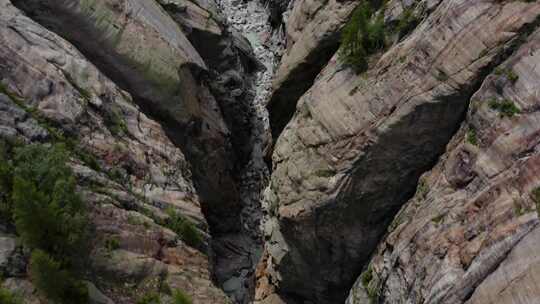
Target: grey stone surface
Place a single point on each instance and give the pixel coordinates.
(469, 234)
(357, 145)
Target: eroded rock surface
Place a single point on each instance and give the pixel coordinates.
(353, 152)
(166, 80)
(135, 172)
(470, 234)
(312, 37)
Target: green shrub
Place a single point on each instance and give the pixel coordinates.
(438, 219)
(179, 297)
(6, 185)
(361, 37)
(535, 196)
(184, 228)
(151, 298)
(422, 189)
(7, 297)
(370, 284)
(508, 73)
(506, 108)
(325, 173)
(48, 211)
(112, 244)
(56, 283)
(367, 276)
(50, 219)
(472, 137)
(114, 121)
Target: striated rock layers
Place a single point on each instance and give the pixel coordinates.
(353, 152)
(138, 46)
(128, 170)
(188, 70)
(470, 234)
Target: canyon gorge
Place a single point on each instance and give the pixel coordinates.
(269, 151)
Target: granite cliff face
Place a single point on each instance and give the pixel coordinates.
(470, 234)
(356, 146)
(128, 83)
(412, 181)
(51, 93)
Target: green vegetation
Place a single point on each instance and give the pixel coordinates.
(535, 196)
(508, 73)
(48, 212)
(370, 284)
(422, 190)
(184, 228)
(6, 183)
(114, 121)
(438, 219)
(472, 137)
(366, 276)
(150, 298)
(180, 297)
(325, 173)
(40, 197)
(7, 297)
(505, 107)
(54, 281)
(112, 244)
(362, 36)
(519, 209)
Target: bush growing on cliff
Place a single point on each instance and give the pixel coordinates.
(361, 37)
(150, 298)
(54, 281)
(50, 219)
(506, 108)
(7, 297)
(179, 297)
(6, 178)
(49, 213)
(535, 195)
(184, 228)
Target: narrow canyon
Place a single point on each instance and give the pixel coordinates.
(269, 151)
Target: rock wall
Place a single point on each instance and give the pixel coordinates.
(413, 182)
(470, 233)
(354, 150)
(312, 37)
(129, 172)
(166, 80)
(197, 80)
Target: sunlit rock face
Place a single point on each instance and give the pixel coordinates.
(353, 152)
(128, 171)
(470, 234)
